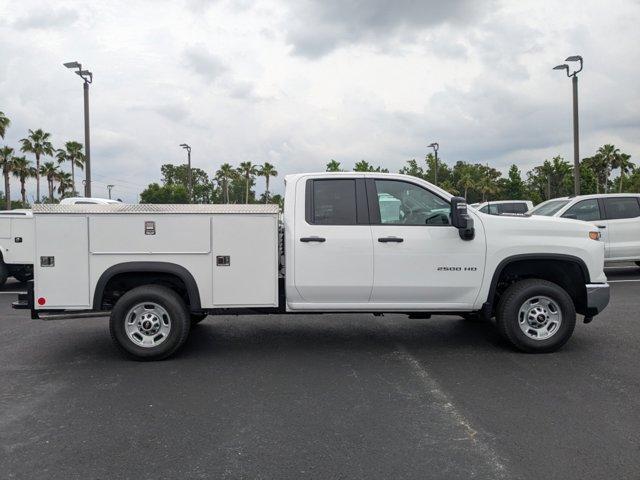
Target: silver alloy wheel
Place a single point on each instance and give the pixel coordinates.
(147, 324)
(539, 318)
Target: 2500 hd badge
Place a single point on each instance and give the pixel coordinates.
(457, 269)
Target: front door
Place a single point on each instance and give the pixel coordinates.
(332, 242)
(623, 224)
(419, 258)
(591, 210)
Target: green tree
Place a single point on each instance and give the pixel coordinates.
(466, 183)
(50, 171)
(203, 190)
(171, 193)
(23, 169)
(623, 162)
(513, 187)
(363, 166)
(6, 161)
(39, 144)
(248, 171)
(65, 182)
(333, 166)
(225, 174)
(72, 153)
(4, 124)
(267, 171)
(412, 168)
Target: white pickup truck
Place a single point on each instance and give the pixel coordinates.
(348, 242)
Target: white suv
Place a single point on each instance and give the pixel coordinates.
(499, 207)
(617, 215)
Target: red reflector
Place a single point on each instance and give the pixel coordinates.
(42, 301)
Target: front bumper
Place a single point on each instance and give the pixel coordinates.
(597, 298)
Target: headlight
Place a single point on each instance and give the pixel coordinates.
(594, 235)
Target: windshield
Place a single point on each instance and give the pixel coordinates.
(549, 208)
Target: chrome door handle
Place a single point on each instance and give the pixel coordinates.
(390, 240)
(313, 239)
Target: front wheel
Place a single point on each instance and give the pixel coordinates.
(535, 315)
(150, 322)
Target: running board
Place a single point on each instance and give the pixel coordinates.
(39, 315)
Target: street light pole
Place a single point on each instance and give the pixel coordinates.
(87, 77)
(189, 179)
(109, 187)
(576, 127)
(435, 147)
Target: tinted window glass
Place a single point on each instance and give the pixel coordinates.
(485, 209)
(549, 208)
(586, 210)
(403, 203)
(622, 207)
(519, 208)
(334, 202)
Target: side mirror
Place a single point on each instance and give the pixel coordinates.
(460, 218)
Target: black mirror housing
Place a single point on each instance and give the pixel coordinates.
(460, 218)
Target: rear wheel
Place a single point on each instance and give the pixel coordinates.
(536, 316)
(23, 275)
(150, 322)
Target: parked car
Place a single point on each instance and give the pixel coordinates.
(352, 242)
(499, 207)
(617, 216)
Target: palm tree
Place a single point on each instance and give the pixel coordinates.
(248, 170)
(50, 170)
(623, 162)
(6, 160)
(608, 154)
(487, 187)
(333, 166)
(267, 171)
(65, 181)
(22, 169)
(224, 175)
(4, 124)
(37, 143)
(72, 152)
(466, 182)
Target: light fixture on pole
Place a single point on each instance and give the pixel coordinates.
(189, 184)
(435, 147)
(576, 130)
(109, 187)
(87, 78)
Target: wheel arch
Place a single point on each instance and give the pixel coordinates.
(532, 266)
(146, 268)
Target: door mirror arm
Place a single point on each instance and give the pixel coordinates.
(460, 218)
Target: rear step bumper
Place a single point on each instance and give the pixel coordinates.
(26, 302)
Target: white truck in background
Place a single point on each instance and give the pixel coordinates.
(16, 239)
(349, 242)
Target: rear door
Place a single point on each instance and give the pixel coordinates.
(419, 257)
(332, 241)
(623, 224)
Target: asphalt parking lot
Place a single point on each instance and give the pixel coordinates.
(322, 397)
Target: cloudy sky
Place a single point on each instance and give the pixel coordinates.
(299, 82)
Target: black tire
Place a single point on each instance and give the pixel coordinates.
(515, 297)
(23, 276)
(167, 299)
(197, 318)
(4, 273)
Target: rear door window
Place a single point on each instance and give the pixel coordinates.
(621, 207)
(333, 202)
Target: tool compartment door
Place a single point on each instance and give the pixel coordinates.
(63, 281)
(245, 260)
